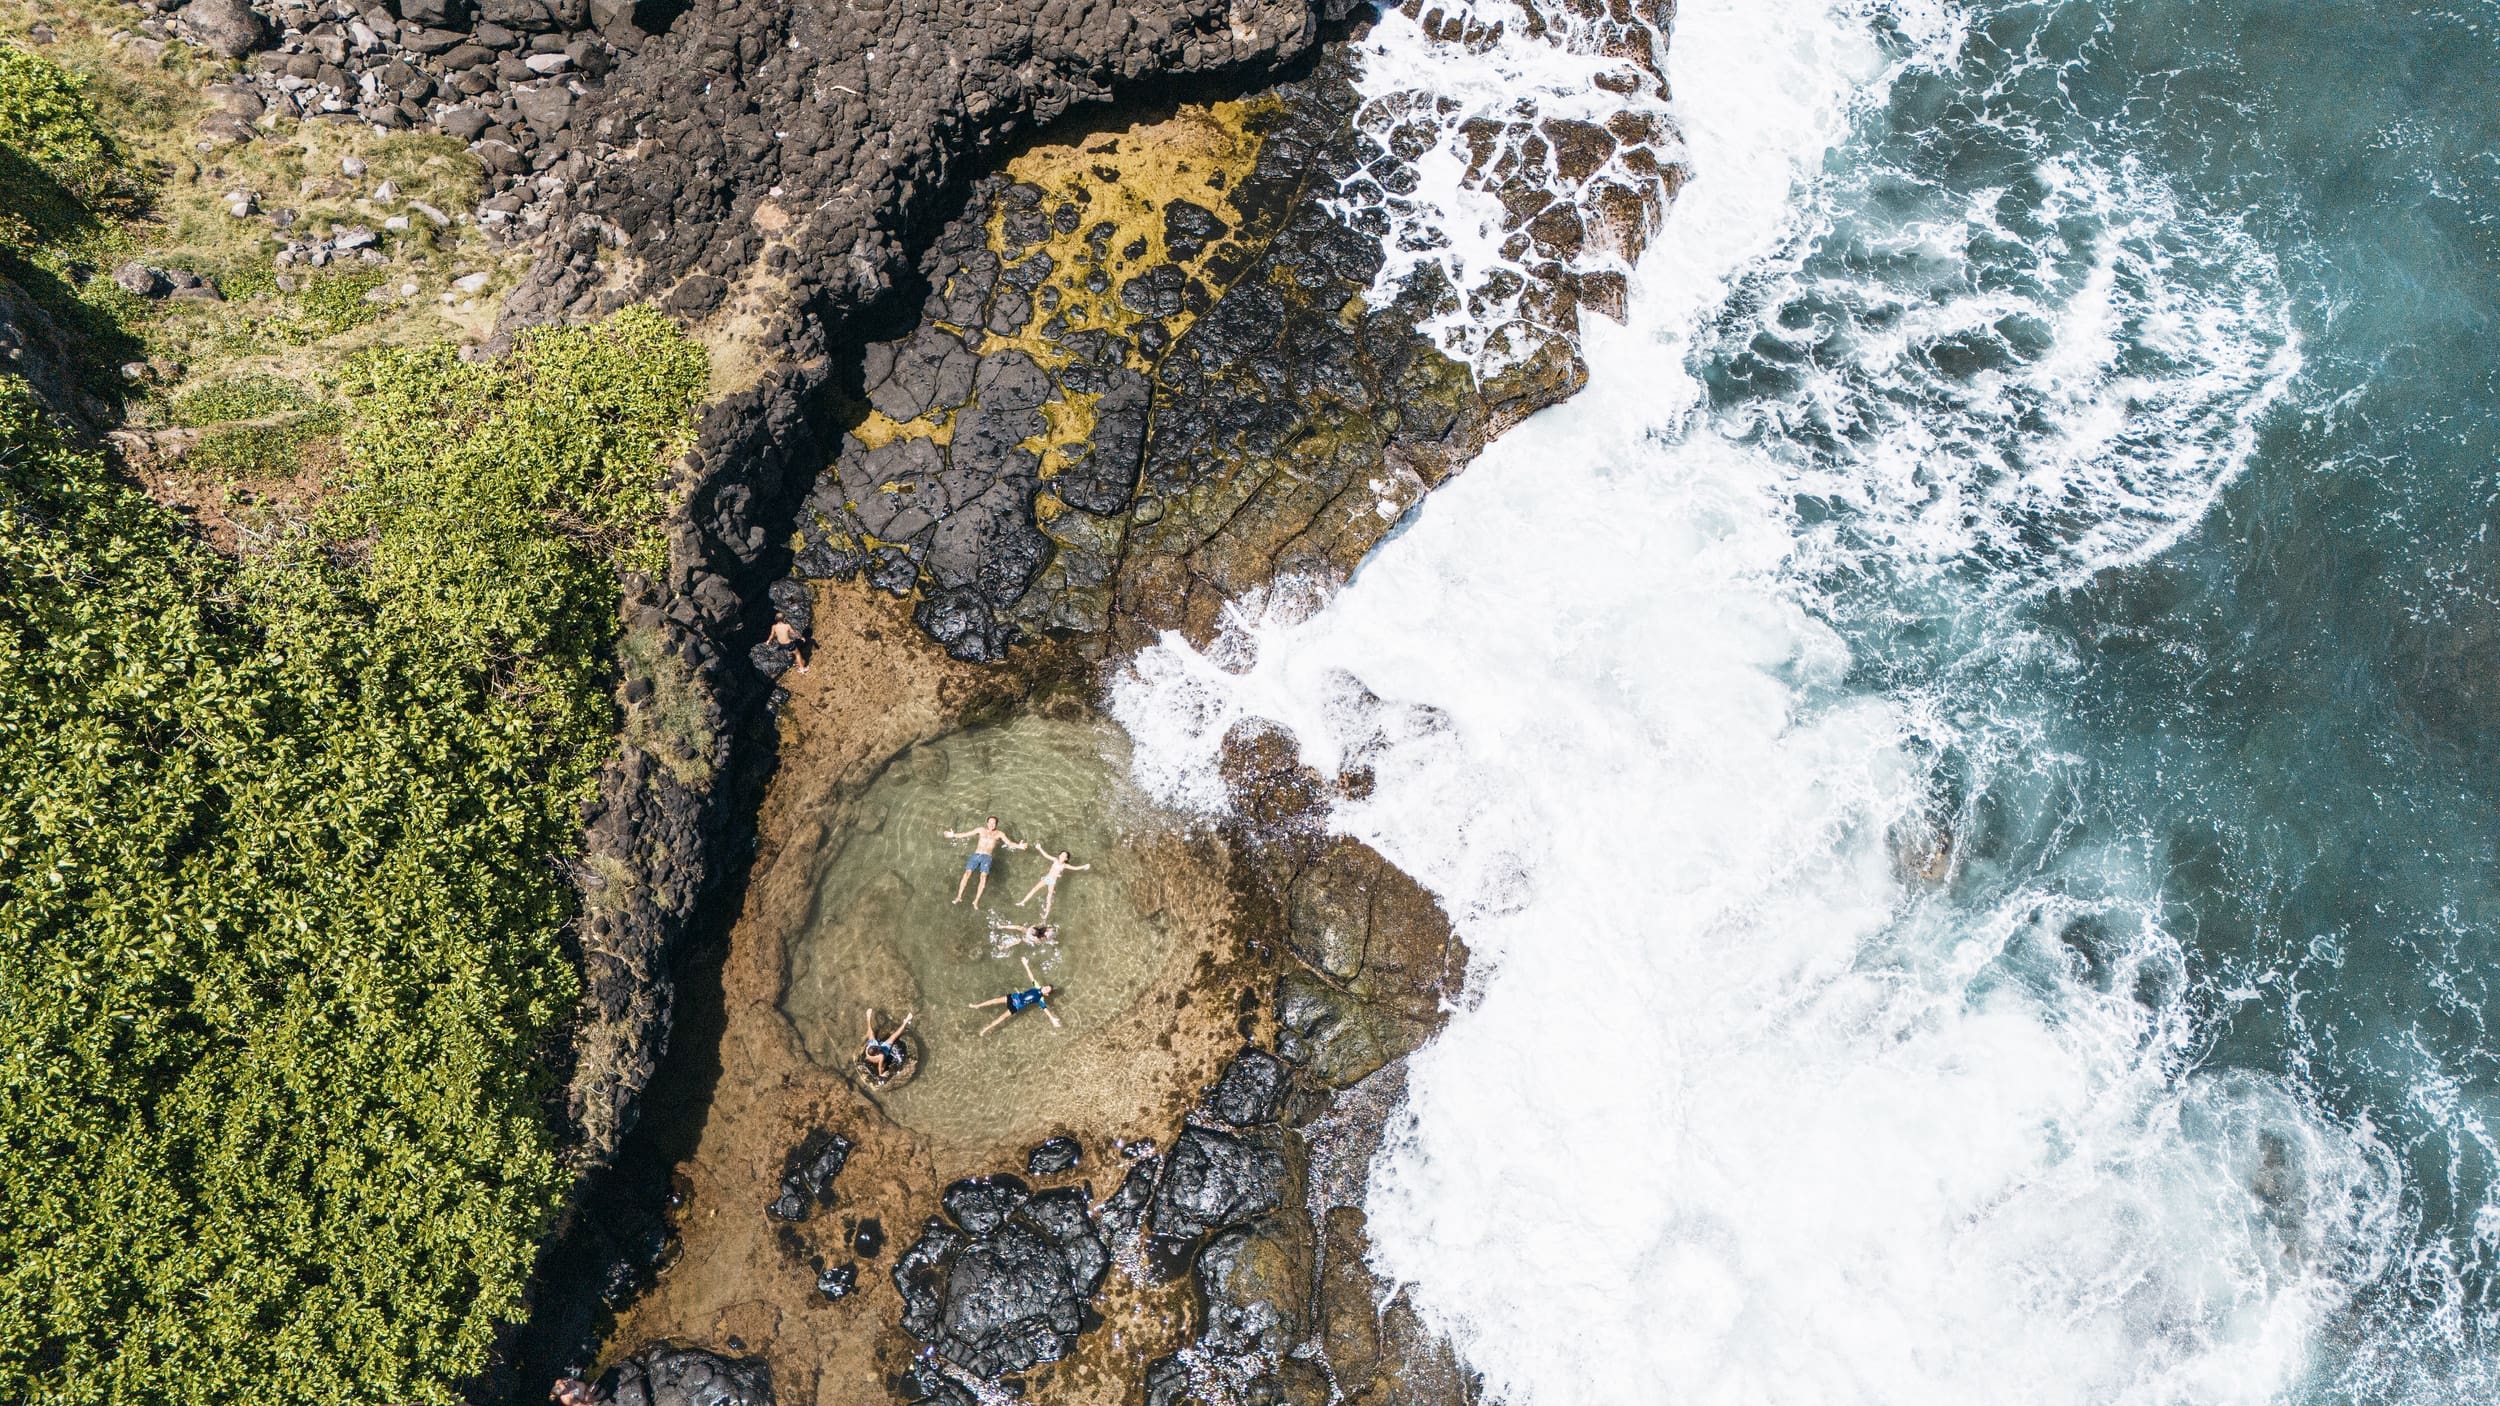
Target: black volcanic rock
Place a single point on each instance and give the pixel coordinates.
(1252, 1089)
(807, 1175)
(1052, 1156)
(1212, 1180)
(670, 1376)
(982, 1204)
(1011, 1294)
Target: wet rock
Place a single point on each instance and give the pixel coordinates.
(1188, 228)
(868, 1240)
(1052, 1156)
(962, 621)
(1123, 1213)
(1338, 1039)
(672, 1376)
(1251, 1090)
(1012, 1295)
(807, 1175)
(1212, 1180)
(1254, 1284)
(982, 1204)
(838, 1282)
(920, 1276)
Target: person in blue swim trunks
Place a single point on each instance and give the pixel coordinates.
(1018, 1002)
(985, 842)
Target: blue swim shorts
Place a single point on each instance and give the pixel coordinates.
(977, 863)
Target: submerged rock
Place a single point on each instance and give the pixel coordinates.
(807, 1175)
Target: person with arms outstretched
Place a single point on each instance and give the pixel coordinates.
(1048, 884)
(1039, 935)
(1017, 1001)
(882, 1057)
(984, 840)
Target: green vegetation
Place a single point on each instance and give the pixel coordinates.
(279, 916)
(53, 123)
(251, 397)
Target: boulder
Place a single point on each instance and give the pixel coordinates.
(436, 14)
(230, 28)
(1212, 1180)
(1012, 1294)
(1251, 1090)
(673, 1376)
(1052, 1156)
(1255, 1287)
(982, 1204)
(140, 281)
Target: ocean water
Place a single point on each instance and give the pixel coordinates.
(1975, 735)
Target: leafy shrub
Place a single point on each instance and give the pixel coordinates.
(46, 115)
(331, 304)
(279, 896)
(262, 451)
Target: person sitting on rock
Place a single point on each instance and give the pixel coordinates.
(572, 1391)
(882, 1057)
(1016, 1001)
(987, 838)
(1048, 885)
(788, 637)
(1039, 935)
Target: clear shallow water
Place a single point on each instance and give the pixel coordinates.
(2066, 428)
(884, 930)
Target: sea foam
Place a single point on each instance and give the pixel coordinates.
(1739, 1110)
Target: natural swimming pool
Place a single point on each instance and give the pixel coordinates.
(882, 930)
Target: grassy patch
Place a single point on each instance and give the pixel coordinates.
(247, 397)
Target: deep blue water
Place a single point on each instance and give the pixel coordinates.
(2140, 391)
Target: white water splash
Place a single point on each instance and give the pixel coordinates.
(1813, 1134)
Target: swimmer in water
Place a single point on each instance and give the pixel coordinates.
(1015, 1001)
(1048, 885)
(989, 837)
(883, 1057)
(1039, 935)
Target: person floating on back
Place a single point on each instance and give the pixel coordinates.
(1016, 1001)
(1048, 886)
(986, 839)
(882, 1058)
(1014, 935)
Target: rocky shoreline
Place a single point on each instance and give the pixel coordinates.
(990, 413)
(1146, 382)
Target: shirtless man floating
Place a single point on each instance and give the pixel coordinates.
(1049, 883)
(985, 840)
(1016, 1001)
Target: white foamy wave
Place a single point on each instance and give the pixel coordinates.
(1814, 1133)
(2044, 383)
